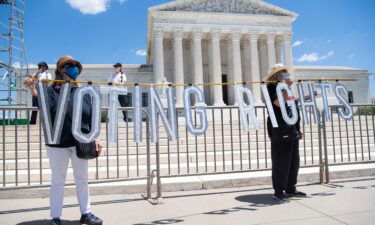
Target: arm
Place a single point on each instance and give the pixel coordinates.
(273, 95)
(276, 103)
(286, 97)
(298, 125)
(30, 83)
(99, 146)
(110, 78)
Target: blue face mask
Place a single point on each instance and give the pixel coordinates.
(72, 72)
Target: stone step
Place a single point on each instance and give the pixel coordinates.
(10, 142)
(173, 157)
(35, 152)
(21, 130)
(34, 140)
(338, 173)
(370, 121)
(141, 171)
(367, 142)
(184, 157)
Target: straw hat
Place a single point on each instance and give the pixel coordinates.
(275, 69)
(67, 59)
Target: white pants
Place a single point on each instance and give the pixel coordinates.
(59, 161)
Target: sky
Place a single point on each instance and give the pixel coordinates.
(327, 32)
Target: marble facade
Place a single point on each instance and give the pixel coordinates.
(210, 41)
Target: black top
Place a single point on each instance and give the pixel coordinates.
(67, 140)
(279, 117)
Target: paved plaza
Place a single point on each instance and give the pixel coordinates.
(342, 202)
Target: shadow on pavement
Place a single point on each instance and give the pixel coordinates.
(323, 194)
(360, 187)
(166, 221)
(68, 206)
(46, 222)
(260, 200)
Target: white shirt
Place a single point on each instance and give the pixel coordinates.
(117, 78)
(43, 76)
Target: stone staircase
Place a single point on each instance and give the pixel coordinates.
(224, 147)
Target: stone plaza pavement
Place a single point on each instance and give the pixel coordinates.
(350, 201)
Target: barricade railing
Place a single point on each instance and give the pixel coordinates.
(349, 142)
(24, 161)
(224, 148)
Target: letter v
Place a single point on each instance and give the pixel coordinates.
(52, 135)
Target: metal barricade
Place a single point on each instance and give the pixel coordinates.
(25, 163)
(224, 148)
(349, 142)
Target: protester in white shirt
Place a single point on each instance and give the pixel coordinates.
(119, 77)
(41, 74)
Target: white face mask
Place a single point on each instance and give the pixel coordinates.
(284, 76)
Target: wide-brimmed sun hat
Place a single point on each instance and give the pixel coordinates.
(275, 69)
(67, 59)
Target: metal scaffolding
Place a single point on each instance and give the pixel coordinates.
(13, 62)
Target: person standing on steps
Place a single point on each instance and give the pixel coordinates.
(41, 74)
(119, 77)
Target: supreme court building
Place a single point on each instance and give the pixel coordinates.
(215, 41)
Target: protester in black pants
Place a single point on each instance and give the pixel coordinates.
(284, 152)
(119, 77)
(34, 114)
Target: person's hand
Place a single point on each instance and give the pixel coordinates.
(289, 81)
(291, 98)
(29, 82)
(300, 135)
(99, 146)
(44, 81)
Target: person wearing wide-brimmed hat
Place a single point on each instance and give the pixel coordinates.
(118, 78)
(59, 155)
(41, 74)
(285, 155)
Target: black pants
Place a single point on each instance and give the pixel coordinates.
(34, 114)
(285, 166)
(122, 101)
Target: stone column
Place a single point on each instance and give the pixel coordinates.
(178, 66)
(255, 74)
(215, 68)
(230, 74)
(289, 57)
(236, 57)
(197, 57)
(279, 53)
(288, 51)
(263, 57)
(247, 60)
(158, 55)
(271, 50)
(189, 62)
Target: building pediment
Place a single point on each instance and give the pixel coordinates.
(257, 7)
